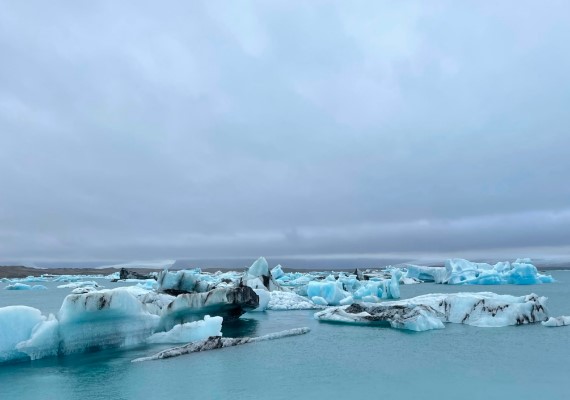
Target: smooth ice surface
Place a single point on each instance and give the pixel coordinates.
(190, 331)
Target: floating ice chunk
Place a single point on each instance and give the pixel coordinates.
(29, 279)
(75, 285)
(557, 321)
(478, 309)
(75, 278)
(18, 286)
(290, 301)
(426, 274)
(113, 276)
(329, 290)
(218, 342)
(190, 331)
(458, 271)
(16, 325)
(23, 286)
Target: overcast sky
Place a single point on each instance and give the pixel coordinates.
(181, 129)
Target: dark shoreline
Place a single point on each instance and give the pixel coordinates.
(23, 272)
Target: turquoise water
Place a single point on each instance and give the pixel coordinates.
(332, 361)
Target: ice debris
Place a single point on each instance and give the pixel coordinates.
(557, 321)
(218, 342)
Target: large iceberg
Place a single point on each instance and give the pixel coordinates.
(430, 311)
(115, 318)
(230, 303)
(458, 271)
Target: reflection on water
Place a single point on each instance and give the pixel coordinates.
(240, 328)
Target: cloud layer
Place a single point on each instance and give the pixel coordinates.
(201, 129)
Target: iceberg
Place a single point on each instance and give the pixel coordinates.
(23, 286)
(218, 342)
(420, 313)
(458, 271)
(185, 281)
(229, 303)
(18, 323)
(329, 292)
(258, 276)
(557, 321)
(79, 284)
(426, 274)
(106, 318)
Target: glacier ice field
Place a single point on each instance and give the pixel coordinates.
(475, 329)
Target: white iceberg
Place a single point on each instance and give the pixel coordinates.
(421, 313)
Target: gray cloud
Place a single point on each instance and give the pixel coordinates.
(144, 130)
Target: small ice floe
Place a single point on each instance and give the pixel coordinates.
(557, 321)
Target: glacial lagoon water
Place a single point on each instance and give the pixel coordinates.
(331, 362)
